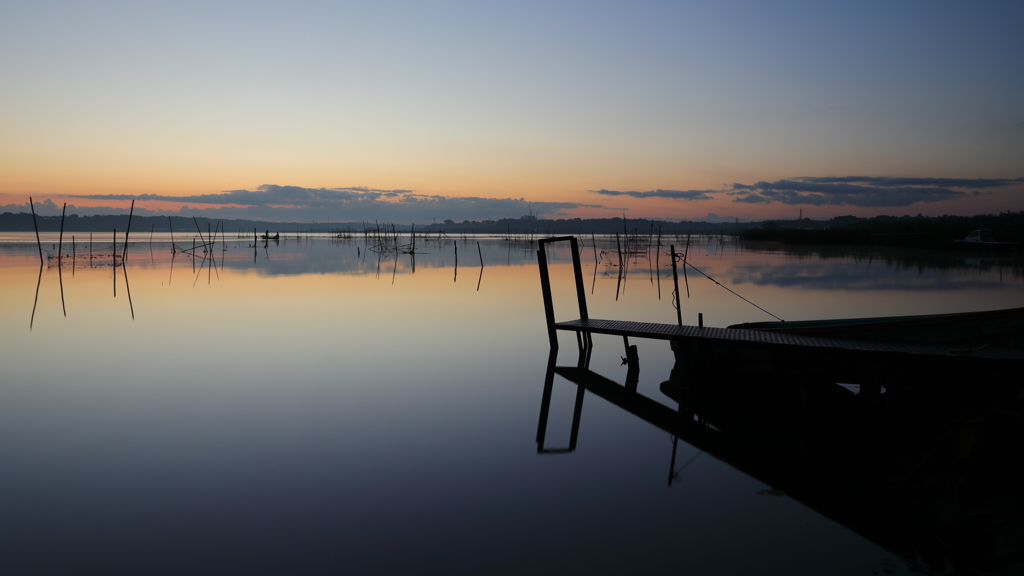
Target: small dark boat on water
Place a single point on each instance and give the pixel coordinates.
(984, 239)
(267, 236)
(999, 328)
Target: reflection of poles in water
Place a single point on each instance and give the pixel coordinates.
(39, 244)
(456, 261)
(127, 288)
(395, 271)
(545, 409)
(74, 255)
(201, 264)
(60, 260)
(60, 277)
(36, 301)
(113, 262)
(673, 474)
(254, 244)
(171, 274)
(481, 279)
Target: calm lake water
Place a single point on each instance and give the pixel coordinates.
(302, 406)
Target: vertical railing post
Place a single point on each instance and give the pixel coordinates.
(581, 294)
(545, 287)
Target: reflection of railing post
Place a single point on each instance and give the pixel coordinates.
(545, 409)
(577, 413)
(545, 288)
(545, 402)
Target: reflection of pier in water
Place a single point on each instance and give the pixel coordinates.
(926, 466)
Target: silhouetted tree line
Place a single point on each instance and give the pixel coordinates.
(22, 222)
(920, 231)
(542, 227)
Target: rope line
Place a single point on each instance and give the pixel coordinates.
(701, 272)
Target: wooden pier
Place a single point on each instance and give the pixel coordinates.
(704, 349)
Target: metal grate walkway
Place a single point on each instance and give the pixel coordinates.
(672, 332)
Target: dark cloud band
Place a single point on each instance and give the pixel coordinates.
(863, 191)
(673, 194)
(291, 203)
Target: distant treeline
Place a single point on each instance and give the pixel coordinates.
(537, 227)
(923, 231)
(919, 231)
(22, 222)
(541, 227)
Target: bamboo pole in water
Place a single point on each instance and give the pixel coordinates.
(60, 240)
(675, 281)
(481, 279)
(124, 254)
(39, 244)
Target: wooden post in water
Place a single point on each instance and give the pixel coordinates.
(675, 282)
(618, 284)
(39, 245)
(60, 240)
(113, 262)
(124, 254)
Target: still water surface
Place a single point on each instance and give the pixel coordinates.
(305, 406)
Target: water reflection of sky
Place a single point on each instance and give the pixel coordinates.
(301, 412)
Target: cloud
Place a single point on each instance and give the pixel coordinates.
(887, 182)
(295, 203)
(673, 194)
(863, 191)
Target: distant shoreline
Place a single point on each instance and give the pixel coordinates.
(922, 231)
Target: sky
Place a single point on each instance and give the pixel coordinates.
(422, 111)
